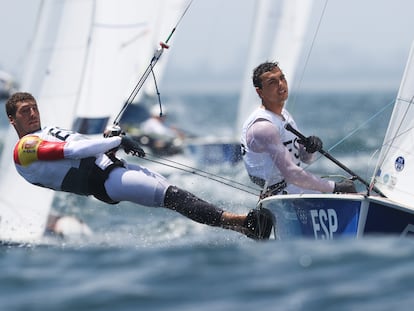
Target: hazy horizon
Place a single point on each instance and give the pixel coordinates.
(359, 45)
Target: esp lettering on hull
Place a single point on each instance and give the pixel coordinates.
(324, 223)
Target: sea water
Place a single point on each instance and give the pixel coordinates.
(154, 259)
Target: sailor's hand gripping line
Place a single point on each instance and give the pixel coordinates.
(334, 160)
(115, 128)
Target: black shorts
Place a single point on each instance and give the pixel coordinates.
(89, 179)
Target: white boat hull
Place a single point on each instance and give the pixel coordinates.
(332, 216)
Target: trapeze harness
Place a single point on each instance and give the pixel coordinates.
(260, 167)
(60, 160)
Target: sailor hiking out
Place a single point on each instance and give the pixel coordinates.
(66, 161)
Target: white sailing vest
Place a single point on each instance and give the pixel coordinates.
(52, 173)
(260, 165)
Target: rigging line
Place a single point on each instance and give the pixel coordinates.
(398, 134)
(354, 131)
(157, 91)
(299, 84)
(140, 83)
(154, 60)
(198, 172)
(196, 169)
(176, 164)
(179, 20)
(361, 126)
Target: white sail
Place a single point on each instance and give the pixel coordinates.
(290, 38)
(119, 52)
(53, 74)
(124, 36)
(395, 168)
(59, 42)
(278, 35)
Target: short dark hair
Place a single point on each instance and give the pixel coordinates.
(261, 69)
(11, 104)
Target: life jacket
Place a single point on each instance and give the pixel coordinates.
(39, 158)
(260, 166)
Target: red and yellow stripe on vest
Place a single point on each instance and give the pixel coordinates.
(32, 148)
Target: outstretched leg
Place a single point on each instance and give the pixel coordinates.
(254, 225)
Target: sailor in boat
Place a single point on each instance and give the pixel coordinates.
(272, 155)
(158, 136)
(67, 161)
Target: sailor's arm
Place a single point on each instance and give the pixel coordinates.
(31, 148)
(263, 136)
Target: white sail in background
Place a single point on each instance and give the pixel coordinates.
(124, 36)
(52, 73)
(290, 38)
(50, 77)
(119, 52)
(395, 168)
(278, 35)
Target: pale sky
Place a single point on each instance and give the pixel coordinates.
(360, 43)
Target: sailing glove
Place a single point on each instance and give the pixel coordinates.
(344, 186)
(131, 146)
(312, 144)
